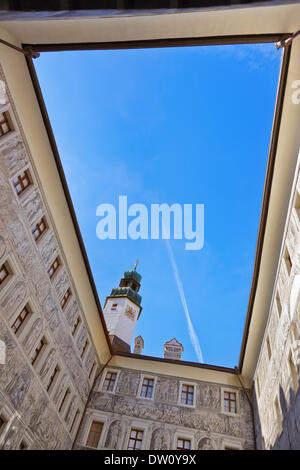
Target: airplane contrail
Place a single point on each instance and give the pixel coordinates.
(192, 333)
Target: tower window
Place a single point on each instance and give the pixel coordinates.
(187, 394)
(22, 182)
(147, 388)
(94, 434)
(230, 404)
(4, 272)
(38, 350)
(54, 267)
(4, 124)
(21, 319)
(183, 444)
(65, 298)
(39, 228)
(135, 439)
(109, 382)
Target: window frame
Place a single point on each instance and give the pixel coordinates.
(9, 274)
(137, 429)
(36, 227)
(35, 363)
(185, 435)
(231, 442)
(54, 270)
(8, 121)
(143, 377)
(237, 401)
(26, 171)
(52, 379)
(65, 298)
(188, 384)
(94, 416)
(24, 321)
(115, 371)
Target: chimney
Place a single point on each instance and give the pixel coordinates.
(173, 349)
(138, 345)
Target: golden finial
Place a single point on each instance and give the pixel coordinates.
(136, 264)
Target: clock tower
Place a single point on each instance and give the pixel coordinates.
(122, 309)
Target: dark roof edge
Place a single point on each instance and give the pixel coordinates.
(198, 365)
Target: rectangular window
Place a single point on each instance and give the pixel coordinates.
(52, 378)
(147, 388)
(4, 124)
(94, 434)
(183, 444)
(39, 228)
(65, 298)
(21, 319)
(109, 382)
(64, 400)
(135, 439)
(23, 446)
(288, 261)
(38, 350)
(54, 267)
(2, 423)
(76, 325)
(84, 348)
(293, 372)
(92, 370)
(230, 402)
(278, 412)
(22, 182)
(4, 272)
(278, 303)
(297, 206)
(258, 386)
(74, 420)
(187, 394)
(269, 348)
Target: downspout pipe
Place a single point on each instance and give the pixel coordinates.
(88, 399)
(237, 373)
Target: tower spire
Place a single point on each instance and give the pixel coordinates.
(122, 309)
(136, 265)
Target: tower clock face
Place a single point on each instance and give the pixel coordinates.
(130, 312)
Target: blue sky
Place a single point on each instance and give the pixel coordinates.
(172, 125)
